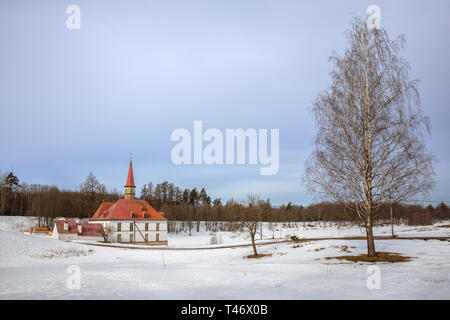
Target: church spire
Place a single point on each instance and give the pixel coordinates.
(129, 186)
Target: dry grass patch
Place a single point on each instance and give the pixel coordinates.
(390, 257)
(64, 253)
(343, 248)
(298, 240)
(444, 226)
(257, 256)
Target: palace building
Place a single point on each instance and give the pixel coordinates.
(131, 220)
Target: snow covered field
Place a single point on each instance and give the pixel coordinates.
(36, 267)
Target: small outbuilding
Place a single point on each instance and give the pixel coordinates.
(72, 230)
(40, 231)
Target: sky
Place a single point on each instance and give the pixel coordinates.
(79, 101)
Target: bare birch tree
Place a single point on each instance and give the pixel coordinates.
(250, 226)
(107, 232)
(369, 145)
(249, 220)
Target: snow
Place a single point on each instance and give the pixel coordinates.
(33, 267)
(15, 223)
(19, 249)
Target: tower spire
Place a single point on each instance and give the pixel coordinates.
(129, 186)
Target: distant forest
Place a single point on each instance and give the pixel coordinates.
(48, 202)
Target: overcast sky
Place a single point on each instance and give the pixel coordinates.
(79, 101)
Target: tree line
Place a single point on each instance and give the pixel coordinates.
(189, 205)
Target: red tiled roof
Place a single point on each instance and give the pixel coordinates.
(103, 207)
(87, 229)
(72, 226)
(130, 178)
(123, 209)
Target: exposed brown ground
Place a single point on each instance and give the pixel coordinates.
(391, 257)
(257, 256)
(445, 226)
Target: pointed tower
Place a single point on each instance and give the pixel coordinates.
(129, 186)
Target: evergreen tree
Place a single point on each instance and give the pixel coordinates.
(204, 198)
(186, 196)
(194, 197)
